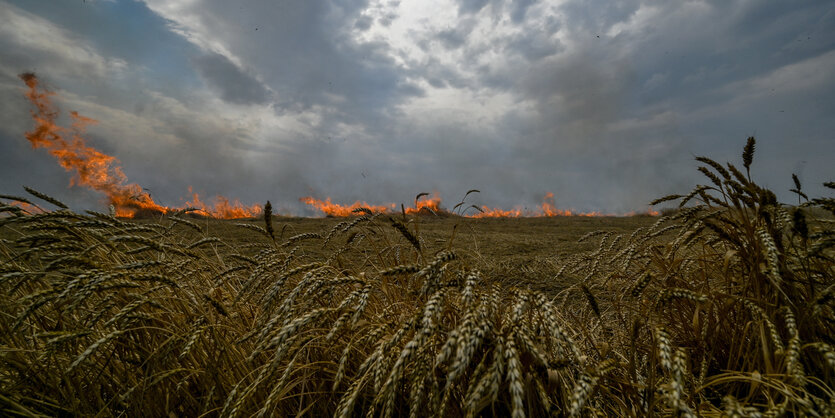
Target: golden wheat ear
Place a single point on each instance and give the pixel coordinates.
(46, 198)
(748, 154)
(16, 199)
(406, 233)
(268, 220)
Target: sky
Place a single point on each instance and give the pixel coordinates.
(602, 103)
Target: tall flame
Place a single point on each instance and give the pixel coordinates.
(97, 170)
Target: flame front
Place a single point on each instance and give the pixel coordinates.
(429, 205)
(546, 210)
(433, 205)
(550, 209)
(334, 209)
(486, 212)
(99, 171)
(223, 208)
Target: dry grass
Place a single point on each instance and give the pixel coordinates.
(723, 307)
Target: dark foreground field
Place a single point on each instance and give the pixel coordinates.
(726, 307)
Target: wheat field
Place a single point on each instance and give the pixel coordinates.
(721, 307)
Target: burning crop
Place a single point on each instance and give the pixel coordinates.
(334, 209)
(433, 205)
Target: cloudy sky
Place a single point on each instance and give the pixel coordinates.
(603, 103)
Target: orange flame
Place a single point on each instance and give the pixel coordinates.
(428, 205)
(223, 208)
(335, 209)
(486, 212)
(546, 209)
(97, 170)
(425, 206)
(549, 209)
(433, 205)
(648, 212)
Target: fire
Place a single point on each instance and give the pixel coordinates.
(223, 208)
(430, 205)
(425, 206)
(97, 170)
(486, 212)
(648, 212)
(335, 209)
(433, 205)
(549, 208)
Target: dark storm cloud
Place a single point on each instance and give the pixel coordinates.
(234, 85)
(304, 52)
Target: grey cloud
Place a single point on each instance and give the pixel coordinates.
(533, 46)
(28, 41)
(363, 22)
(594, 17)
(387, 19)
(313, 61)
(436, 82)
(471, 6)
(579, 91)
(234, 85)
(519, 8)
(605, 123)
(437, 74)
(452, 38)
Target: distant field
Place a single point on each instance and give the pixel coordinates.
(522, 251)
